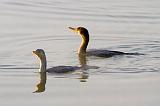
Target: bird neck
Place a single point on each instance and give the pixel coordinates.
(83, 46)
(43, 64)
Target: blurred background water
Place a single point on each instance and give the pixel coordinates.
(124, 25)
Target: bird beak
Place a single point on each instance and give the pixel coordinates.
(73, 29)
(34, 52)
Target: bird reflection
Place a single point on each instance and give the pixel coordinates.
(42, 82)
(84, 75)
(83, 63)
(82, 60)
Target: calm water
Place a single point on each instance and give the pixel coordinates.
(124, 25)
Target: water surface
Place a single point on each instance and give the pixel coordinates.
(124, 25)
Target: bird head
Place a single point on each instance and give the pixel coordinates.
(81, 31)
(39, 53)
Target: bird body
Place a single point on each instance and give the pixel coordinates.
(107, 53)
(103, 53)
(62, 69)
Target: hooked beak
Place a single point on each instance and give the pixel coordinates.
(73, 29)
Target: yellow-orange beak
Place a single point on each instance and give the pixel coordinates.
(34, 52)
(73, 29)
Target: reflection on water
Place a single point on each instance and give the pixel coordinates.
(83, 76)
(41, 85)
(82, 60)
(42, 82)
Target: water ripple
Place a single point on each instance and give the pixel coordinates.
(49, 10)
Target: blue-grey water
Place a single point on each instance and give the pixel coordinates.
(124, 25)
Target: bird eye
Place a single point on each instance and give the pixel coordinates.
(81, 31)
